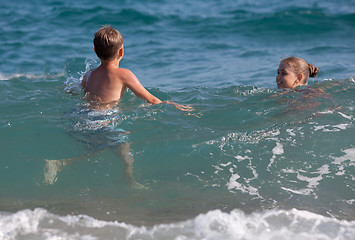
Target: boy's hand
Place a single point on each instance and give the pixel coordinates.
(184, 108)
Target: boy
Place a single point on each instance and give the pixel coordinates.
(107, 83)
(104, 87)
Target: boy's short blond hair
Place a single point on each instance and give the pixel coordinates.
(107, 42)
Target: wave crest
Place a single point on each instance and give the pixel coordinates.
(271, 224)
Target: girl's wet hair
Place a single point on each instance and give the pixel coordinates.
(299, 65)
(313, 71)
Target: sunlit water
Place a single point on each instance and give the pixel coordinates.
(250, 162)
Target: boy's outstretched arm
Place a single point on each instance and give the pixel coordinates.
(132, 82)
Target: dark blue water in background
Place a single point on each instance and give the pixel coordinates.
(255, 163)
(185, 44)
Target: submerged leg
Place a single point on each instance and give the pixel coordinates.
(124, 152)
(52, 167)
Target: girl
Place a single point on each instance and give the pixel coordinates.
(293, 72)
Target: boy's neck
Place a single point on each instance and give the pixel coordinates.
(110, 63)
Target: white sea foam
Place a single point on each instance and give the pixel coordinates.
(225, 164)
(346, 116)
(290, 132)
(73, 84)
(249, 138)
(349, 155)
(29, 76)
(215, 224)
(332, 128)
(241, 158)
(313, 181)
(277, 150)
(303, 191)
(234, 184)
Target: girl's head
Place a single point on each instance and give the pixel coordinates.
(293, 72)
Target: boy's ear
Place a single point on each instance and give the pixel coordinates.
(120, 52)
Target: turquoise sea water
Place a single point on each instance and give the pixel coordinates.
(251, 162)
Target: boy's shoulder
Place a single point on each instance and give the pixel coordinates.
(121, 74)
(88, 73)
(118, 71)
(125, 73)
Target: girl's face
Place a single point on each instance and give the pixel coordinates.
(286, 78)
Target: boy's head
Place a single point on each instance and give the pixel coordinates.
(107, 42)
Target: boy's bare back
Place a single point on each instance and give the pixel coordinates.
(104, 85)
(107, 84)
